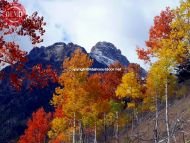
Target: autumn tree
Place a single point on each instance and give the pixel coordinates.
(31, 26)
(37, 128)
(159, 35)
(110, 81)
(84, 100)
(168, 44)
(130, 88)
(169, 34)
(71, 96)
(175, 49)
(101, 90)
(161, 29)
(155, 92)
(98, 104)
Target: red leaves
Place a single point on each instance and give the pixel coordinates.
(58, 112)
(143, 54)
(38, 127)
(110, 82)
(10, 52)
(37, 78)
(15, 81)
(105, 84)
(40, 77)
(160, 30)
(31, 26)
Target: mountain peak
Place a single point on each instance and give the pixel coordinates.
(107, 53)
(104, 44)
(55, 52)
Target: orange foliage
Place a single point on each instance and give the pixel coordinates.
(105, 84)
(110, 81)
(58, 112)
(38, 127)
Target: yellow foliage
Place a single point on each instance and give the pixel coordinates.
(131, 105)
(130, 87)
(71, 96)
(58, 125)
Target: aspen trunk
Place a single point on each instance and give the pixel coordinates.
(81, 133)
(95, 133)
(105, 129)
(136, 115)
(133, 116)
(156, 122)
(117, 128)
(74, 128)
(167, 118)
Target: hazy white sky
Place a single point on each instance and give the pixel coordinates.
(125, 23)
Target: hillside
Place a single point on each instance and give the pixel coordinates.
(179, 118)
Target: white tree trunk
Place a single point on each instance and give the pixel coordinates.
(74, 128)
(95, 134)
(156, 121)
(167, 118)
(117, 128)
(81, 133)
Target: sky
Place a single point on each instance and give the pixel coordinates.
(125, 23)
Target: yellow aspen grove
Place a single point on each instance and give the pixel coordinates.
(156, 89)
(131, 88)
(169, 45)
(97, 106)
(71, 94)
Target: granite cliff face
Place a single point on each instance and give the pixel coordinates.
(17, 107)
